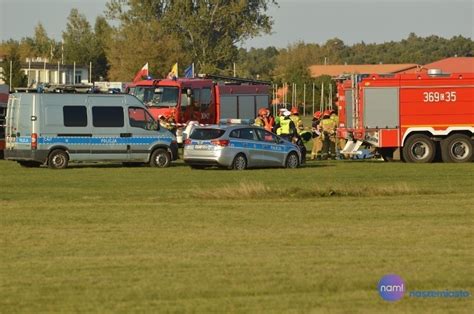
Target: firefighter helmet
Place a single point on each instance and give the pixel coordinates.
(294, 110)
(317, 114)
(327, 113)
(263, 111)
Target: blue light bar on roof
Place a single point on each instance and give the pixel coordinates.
(237, 121)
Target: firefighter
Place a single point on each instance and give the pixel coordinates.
(264, 119)
(340, 142)
(296, 120)
(317, 138)
(168, 123)
(328, 127)
(287, 130)
(277, 118)
(286, 127)
(162, 120)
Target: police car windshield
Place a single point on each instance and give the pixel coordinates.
(158, 96)
(206, 134)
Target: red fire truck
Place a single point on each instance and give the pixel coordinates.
(206, 99)
(415, 116)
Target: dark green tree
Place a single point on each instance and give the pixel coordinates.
(42, 44)
(208, 31)
(79, 41)
(103, 33)
(11, 64)
(256, 63)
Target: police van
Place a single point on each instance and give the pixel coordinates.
(55, 129)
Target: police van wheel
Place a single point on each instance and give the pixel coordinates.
(160, 159)
(457, 148)
(58, 159)
(419, 149)
(292, 161)
(239, 163)
(29, 164)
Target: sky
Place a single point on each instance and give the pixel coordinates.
(311, 21)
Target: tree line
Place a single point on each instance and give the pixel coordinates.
(208, 33)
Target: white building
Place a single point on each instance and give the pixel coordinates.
(40, 70)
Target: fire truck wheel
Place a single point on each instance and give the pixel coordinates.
(160, 158)
(292, 161)
(58, 159)
(239, 163)
(457, 148)
(419, 148)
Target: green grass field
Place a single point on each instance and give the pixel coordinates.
(317, 239)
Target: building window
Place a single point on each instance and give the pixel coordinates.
(78, 78)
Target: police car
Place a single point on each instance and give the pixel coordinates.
(238, 147)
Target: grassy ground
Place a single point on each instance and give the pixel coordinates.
(318, 239)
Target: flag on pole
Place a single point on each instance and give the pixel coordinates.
(174, 71)
(143, 72)
(189, 71)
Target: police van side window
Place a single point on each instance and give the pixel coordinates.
(75, 116)
(107, 117)
(140, 118)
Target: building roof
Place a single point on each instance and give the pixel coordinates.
(336, 70)
(51, 66)
(453, 65)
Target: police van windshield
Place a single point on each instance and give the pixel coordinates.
(158, 96)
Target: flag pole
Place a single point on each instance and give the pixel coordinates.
(11, 74)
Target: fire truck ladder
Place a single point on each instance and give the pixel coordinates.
(352, 147)
(232, 79)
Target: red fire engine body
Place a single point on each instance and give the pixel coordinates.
(419, 114)
(202, 99)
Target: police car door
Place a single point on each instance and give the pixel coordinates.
(245, 140)
(274, 151)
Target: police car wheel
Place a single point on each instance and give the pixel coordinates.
(239, 163)
(58, 159)
(292, 161)
(457, 148)
(160, 158)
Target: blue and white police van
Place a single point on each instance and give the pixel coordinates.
(55, 129)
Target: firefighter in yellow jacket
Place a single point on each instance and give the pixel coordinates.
(296, 120)
(340, 142)
(328, 128)
(317, 138)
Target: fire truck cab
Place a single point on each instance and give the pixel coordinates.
(416, 116)
(206, 100)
